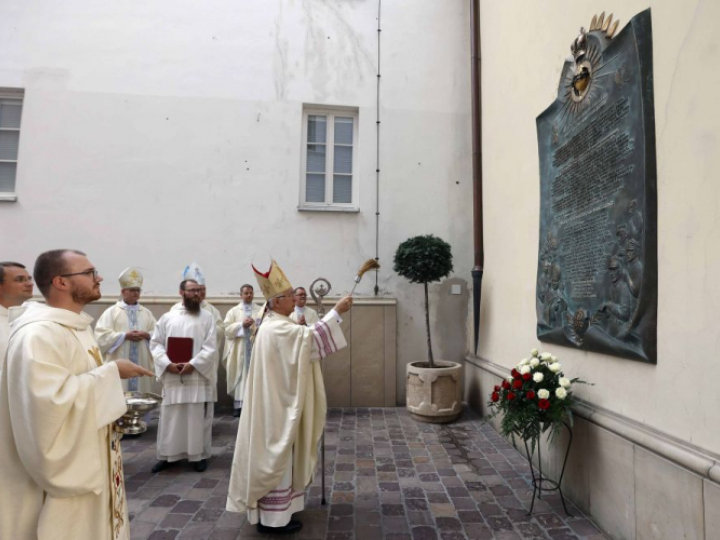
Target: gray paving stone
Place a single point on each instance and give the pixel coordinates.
(387, 477)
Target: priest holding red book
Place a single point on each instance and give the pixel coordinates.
(184, 349)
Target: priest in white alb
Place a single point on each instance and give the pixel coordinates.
(61, 469)
(124, 331)
(195, 273)
(16, 287)
(240, 323)
(302, 314)
(284, 409)
(189, 384)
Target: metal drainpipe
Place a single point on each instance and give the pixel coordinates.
(476, 80)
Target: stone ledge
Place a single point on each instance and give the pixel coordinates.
(691, 457)
(234, 300)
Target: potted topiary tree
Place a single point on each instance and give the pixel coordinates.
(434, 388)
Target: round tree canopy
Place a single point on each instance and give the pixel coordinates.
(423, 259)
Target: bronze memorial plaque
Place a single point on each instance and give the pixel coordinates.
(597, 260)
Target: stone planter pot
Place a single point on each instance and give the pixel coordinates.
(434, 394)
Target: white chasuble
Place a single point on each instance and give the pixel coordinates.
(61, 468)
(110, 332)
(283, 417)
(311, 316)
(185, 428)
(238, 348)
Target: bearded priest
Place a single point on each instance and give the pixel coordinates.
(124, 330)
(183, 347)
(194, 273)
(283, 411)
(240, 323)
(61, 465)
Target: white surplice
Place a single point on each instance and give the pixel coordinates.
(283, 418)
(219, 325)
(110, 332)
(61, 472)
(238, 348)
(311, 316)
(185, 428)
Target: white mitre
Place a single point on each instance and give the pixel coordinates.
(131, 278)
(192, 271)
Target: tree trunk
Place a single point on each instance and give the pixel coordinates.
(431, 360)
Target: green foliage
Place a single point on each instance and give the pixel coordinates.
(423, 259)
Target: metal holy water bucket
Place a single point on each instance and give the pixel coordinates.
(139, 404)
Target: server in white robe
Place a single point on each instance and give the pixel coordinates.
(124, 331)
(284, 410)
(195, 273)
(240, 323)
(302, 314)
(61, 470)
(189, 389)
(16, 287)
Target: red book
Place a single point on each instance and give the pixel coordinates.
(180, 349)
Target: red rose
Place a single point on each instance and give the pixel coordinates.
(530, 394)
(526, 376)
(497, 388)
(544, 404)
(495, 397)
(506, 385)
(511, 396)
(515, 374)
(517, 385)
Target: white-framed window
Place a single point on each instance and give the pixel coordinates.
(11, 103)
(329, 179)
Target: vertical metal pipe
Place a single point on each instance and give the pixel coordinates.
(377, 154)
(476, 87)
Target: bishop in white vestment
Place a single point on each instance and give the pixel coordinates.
(124, 331)
(240, 323)
(189, 390)
(284, 410)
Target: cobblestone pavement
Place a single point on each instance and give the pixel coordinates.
(387, 476)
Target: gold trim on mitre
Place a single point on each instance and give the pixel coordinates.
(273, 282)
(131, 278)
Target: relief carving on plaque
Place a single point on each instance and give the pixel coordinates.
(597, 258)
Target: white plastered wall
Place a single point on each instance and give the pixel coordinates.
(157, 133)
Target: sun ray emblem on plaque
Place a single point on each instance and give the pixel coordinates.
(587, 50)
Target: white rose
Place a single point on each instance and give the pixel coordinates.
(561, 393)
(553, 358)
(534, 362)
(538, 377)
(555, 368)
(523, 362)
(524, 370)
(543, 394)
(510, 379)
(545, 356)
(534, 352)
(565, 382)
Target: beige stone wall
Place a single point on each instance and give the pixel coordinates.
(365, 374)
(646, 454)
(637, 483)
